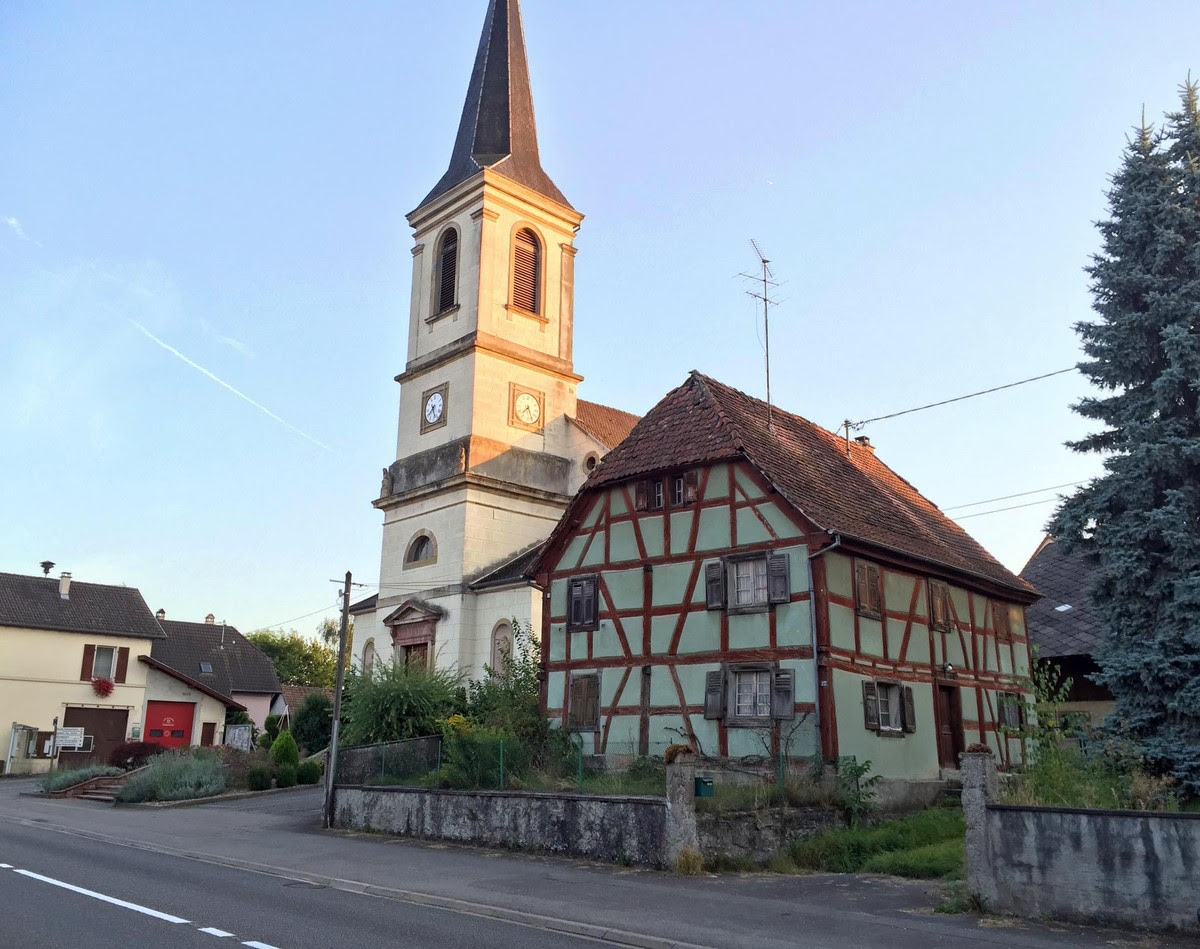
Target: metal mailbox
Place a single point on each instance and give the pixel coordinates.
(704, 787)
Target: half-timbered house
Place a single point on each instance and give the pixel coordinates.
(734, 580)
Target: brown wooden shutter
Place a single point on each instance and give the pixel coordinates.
(691, 487)
(575, 702)
(448, 271)
(122, 664)
(593, 701)
(779, 579)
(527, 265)
(591, 608)
(867, 588)
(1000, 620)
(783, 695)
(640, 496)
(714, 585)
(714, 694)
(89, 659)
(584, 711)
(870, 706)
(910, 712)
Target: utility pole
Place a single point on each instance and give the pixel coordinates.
(331, 769)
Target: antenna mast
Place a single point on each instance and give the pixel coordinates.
(767, 281)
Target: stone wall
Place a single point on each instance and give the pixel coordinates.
(626, 829)
(1125, 867)
(758, 835)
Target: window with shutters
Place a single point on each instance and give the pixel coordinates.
(581, 604)
(939, 605)
(445, 278)
(867, 593)
(1000, 621)
(104, 663)
(527, 272)
(678, 491)
(888, 708)
(1010, 710)
(656, 494)
(583, 710)
(750, 694)
(749, 582)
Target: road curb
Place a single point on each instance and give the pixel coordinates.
(606, 934)
(215, 799)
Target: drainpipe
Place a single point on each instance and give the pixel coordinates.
(812, 603)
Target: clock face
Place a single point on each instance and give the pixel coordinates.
(526, 408)
(434, 406)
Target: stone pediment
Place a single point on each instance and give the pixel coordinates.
(414, 611)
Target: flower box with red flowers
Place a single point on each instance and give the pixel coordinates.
(103, 687)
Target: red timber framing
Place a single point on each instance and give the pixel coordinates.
(638, 656)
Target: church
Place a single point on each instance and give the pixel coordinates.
(492, 440)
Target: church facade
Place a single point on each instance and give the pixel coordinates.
(492, 439)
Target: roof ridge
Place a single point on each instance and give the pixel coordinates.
(730, 429)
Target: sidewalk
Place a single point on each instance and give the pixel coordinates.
(281, 834)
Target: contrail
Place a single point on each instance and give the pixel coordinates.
(221, 382)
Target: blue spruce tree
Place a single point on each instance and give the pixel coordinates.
(1142, 517)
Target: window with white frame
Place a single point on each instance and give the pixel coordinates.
(749, 582)
(752, 694)
(104, 662)
(889, 706)
(678, 491)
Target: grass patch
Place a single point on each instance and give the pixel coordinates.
(175, 776)
(943, 860)
(61, 780)
(848, 849)
(594, 782)
(759, 795)
(956, 899)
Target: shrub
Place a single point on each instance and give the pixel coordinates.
(271, 727)
(263, 741)
(397, 702)
(313, 722)
(175, 776)
(689, 863)
(309, 772)
(133, 754)
(284, 752)
(471, 756)
(258, 778)
(285, 777)
(60, 780)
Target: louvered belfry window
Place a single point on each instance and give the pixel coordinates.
(527, 272)
(447, 279)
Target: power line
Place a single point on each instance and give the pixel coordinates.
(933, 405)
(963, 517)
(323, 609)
(1008, 497)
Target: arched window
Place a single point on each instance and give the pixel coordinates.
(502, 643)
(368, 658)
(527, 272)
(422, 550)
(445, 280)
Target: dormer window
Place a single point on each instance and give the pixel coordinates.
(445, 280)
(527, 272)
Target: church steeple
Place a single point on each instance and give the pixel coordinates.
(497, 128)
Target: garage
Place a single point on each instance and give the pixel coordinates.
(103, 730)
(170, 723)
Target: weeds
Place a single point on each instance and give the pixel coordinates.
(61, 780)
(848, 850)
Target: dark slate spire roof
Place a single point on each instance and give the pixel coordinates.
(497, 129)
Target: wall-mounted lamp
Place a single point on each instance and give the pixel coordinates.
(948, 668)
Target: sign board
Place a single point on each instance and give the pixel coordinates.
(69, 738)
(135, 733)
(239, 736)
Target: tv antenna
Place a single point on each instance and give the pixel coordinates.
(767, 279)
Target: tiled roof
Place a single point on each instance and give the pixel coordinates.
(365, 605)
(1063, 580)
(607, 425)
(237, 664)
(190, 681)
(95, 608)
(296, 695)
(853, 494)
(510, 570)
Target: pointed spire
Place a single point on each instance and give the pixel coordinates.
(497, 128)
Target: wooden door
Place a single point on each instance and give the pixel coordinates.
(417, 654)
(208, 733)
(950, 731)
(105, 727)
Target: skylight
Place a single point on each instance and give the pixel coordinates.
(207, 666)
(1065, 608)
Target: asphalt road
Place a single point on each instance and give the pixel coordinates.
(186, 903)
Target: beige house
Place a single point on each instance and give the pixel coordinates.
(69, 658)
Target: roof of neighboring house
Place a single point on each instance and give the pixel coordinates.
(237, 664)
(1064, 622)
(189, 681)
(295, 695)
(365, 605)
(843, 489)
(95, 608)
(607, 425)
(513, 569)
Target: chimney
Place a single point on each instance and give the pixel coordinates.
(865, 442)
(64, 585)
(47, 566)
(210, 619)
(160, 615)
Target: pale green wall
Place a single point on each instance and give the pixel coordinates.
(906, 755)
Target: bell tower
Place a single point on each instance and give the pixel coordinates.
(486, 457)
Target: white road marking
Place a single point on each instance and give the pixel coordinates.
(219, 933)
(258, 945)
(6, 866)
(166, 917)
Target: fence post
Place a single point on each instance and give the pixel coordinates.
(501, 764)
(681, 832)
(438, 776)
(979, 786)
(781, 778)
(579, 766)
(382, 760)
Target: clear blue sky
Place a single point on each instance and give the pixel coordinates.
(231, 179)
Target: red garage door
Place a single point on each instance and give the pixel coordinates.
(170, 723)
